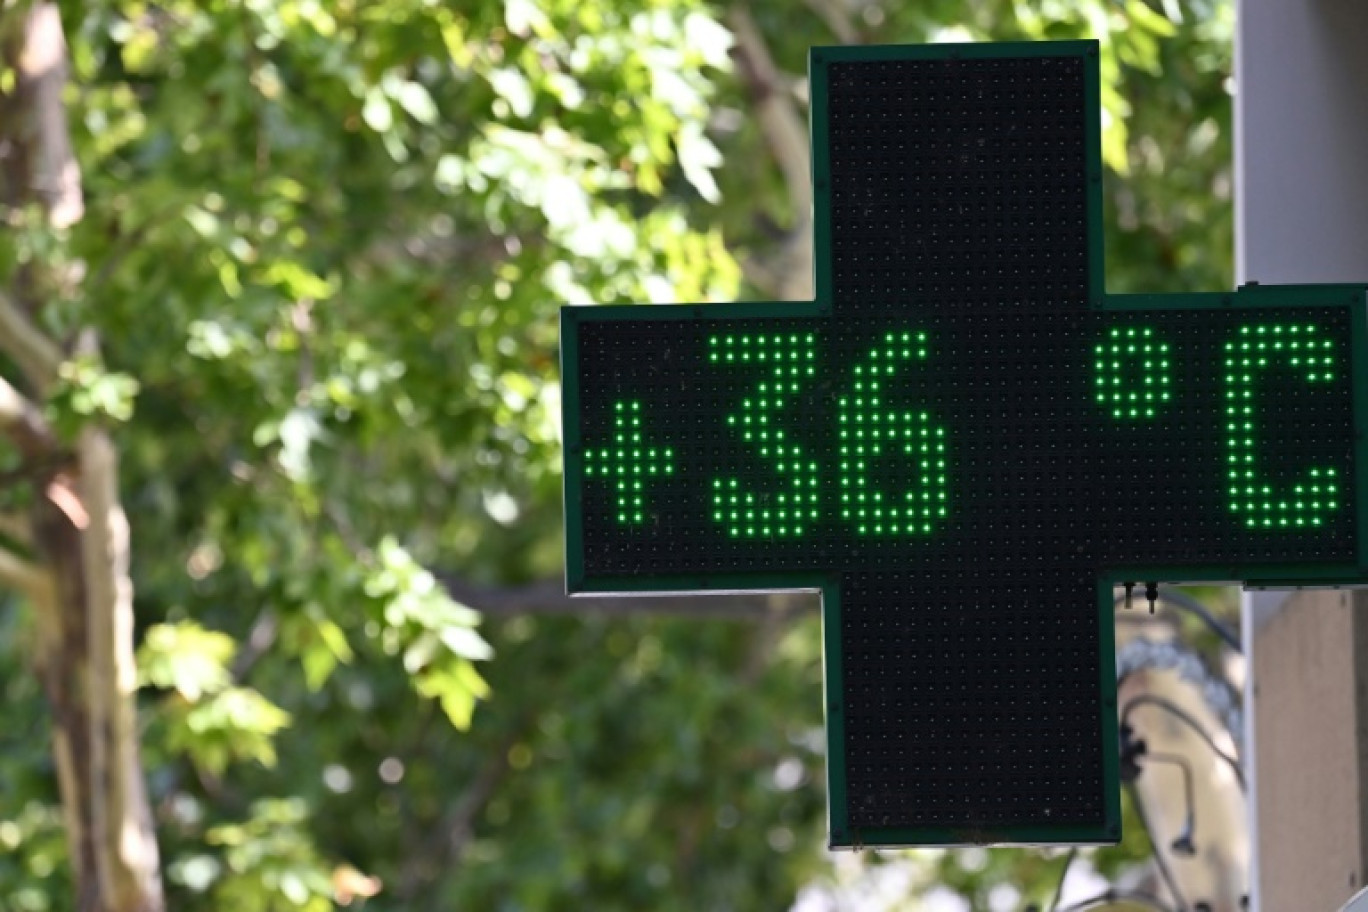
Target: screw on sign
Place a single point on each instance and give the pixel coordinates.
(964, 443)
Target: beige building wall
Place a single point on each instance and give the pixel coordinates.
(1302, 216)
(1310, 716)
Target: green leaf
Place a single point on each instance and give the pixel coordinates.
(186, 658)
(1141, 15)
(376, 112)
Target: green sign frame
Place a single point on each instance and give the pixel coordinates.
(1250, 297)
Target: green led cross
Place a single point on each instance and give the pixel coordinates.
(629, 463)
(965, 443)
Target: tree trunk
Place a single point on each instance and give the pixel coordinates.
(77, 581)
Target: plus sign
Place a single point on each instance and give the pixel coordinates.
(964, 443)
(628, 464)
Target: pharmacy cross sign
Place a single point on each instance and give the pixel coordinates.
(964, 443)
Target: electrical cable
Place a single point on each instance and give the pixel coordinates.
(1165, 872)
(1112, 897)
(1063, 876)
(1182, 845)
(1141, 654)
(1189, 604)
(1178, 712)
(1196, 675)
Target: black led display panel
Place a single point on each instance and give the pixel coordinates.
(964, 443)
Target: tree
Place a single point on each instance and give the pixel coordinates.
(71, 520)
(304, 331)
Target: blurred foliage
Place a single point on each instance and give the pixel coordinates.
(324, 247)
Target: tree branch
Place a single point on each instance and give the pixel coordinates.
(85, 611)
(783, 129)
(21, 575)
(458, 824)
(837, 18)
(444, 847)
(549, 598)
(37, 355)
(14, 407)
(53, 177)
(16, 528)
(24, 422)
(785, 132)
(125, 244)
(260, 638)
